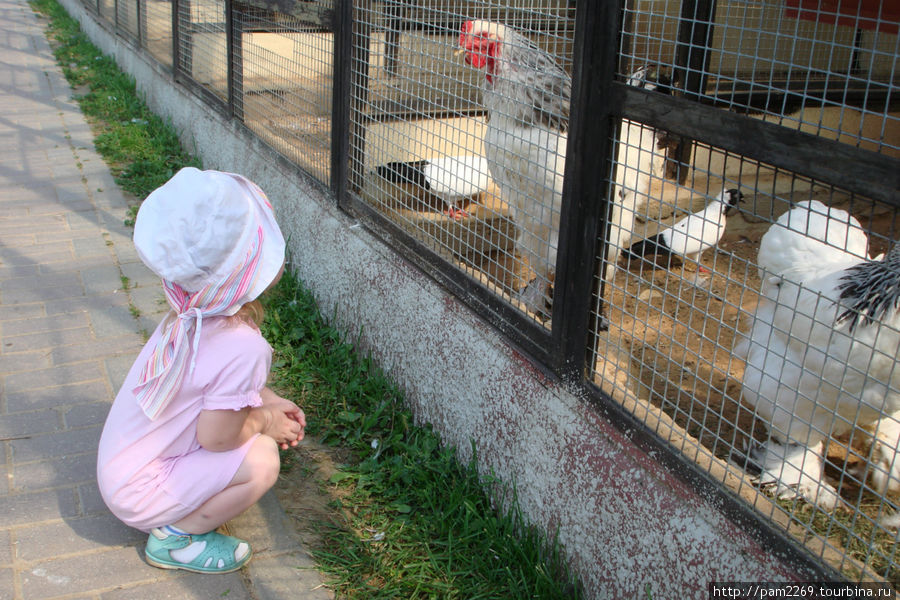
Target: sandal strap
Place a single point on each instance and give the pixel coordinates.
(219, 547)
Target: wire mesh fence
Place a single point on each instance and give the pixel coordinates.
(285, 65)
(201, 46)
(742, 286)
(821, 67)
(436, 153)
(721, 353)
(127, 18)
(157, 30)
(734, 327)
(107, 10)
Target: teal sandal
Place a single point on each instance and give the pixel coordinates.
(216, 557)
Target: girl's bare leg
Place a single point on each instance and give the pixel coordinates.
(255, 476)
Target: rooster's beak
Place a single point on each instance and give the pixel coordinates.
(459, 52)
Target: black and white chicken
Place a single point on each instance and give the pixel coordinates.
(821, 355)
(689, 237)
(452, 179)
(526, 94)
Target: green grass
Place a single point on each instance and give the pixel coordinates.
(143, 151)
(412, 521)
(419, 524)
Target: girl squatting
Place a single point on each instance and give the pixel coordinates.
(192, 437)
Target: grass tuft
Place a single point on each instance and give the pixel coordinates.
(418, 524)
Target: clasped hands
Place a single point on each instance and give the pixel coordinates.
(288, 420)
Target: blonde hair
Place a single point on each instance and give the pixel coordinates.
(252, 313)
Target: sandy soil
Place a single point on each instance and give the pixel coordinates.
(303, 491)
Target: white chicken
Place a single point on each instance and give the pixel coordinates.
(822, 351)
(452, 179)
(526, 94)
(692, 235)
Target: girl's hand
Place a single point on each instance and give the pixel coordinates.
(276, 403)
(284, 427)
(270, 398)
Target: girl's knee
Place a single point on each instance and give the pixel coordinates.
(265, 461)
(260, 467)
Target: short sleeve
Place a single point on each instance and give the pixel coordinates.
(233, 402)
(235, 366)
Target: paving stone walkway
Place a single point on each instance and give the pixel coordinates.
(74, 300)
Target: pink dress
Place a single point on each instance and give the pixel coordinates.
(154, 473)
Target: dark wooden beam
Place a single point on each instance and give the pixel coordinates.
(869, 174)
(314, 12)
(695, 30)
(340, 99)
(585, 204)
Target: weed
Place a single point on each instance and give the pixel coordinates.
(857, 533)
(131, 215)
(419, 523)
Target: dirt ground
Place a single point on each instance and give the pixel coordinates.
(303, 491)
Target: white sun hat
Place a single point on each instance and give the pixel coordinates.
(212, 238)
(195, 230)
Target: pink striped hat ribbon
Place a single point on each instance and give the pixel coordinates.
(161, 377)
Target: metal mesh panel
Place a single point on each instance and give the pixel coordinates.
(828, 68)
(157, 30)
(127, 19)
(744, 358)
(202, 44)
(487, 198)
(107, 10)
(286, 73)
(696, 347)
(687, 348)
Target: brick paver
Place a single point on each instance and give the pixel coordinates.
(68, 334)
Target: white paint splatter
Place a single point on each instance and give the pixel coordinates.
(57, 579)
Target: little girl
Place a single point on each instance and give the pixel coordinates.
(192, 438)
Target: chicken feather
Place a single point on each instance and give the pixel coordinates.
(821, 354)
(526, 94)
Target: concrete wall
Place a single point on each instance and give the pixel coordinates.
(627, 523)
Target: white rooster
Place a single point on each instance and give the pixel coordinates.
(526, 94)
(822, 351)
